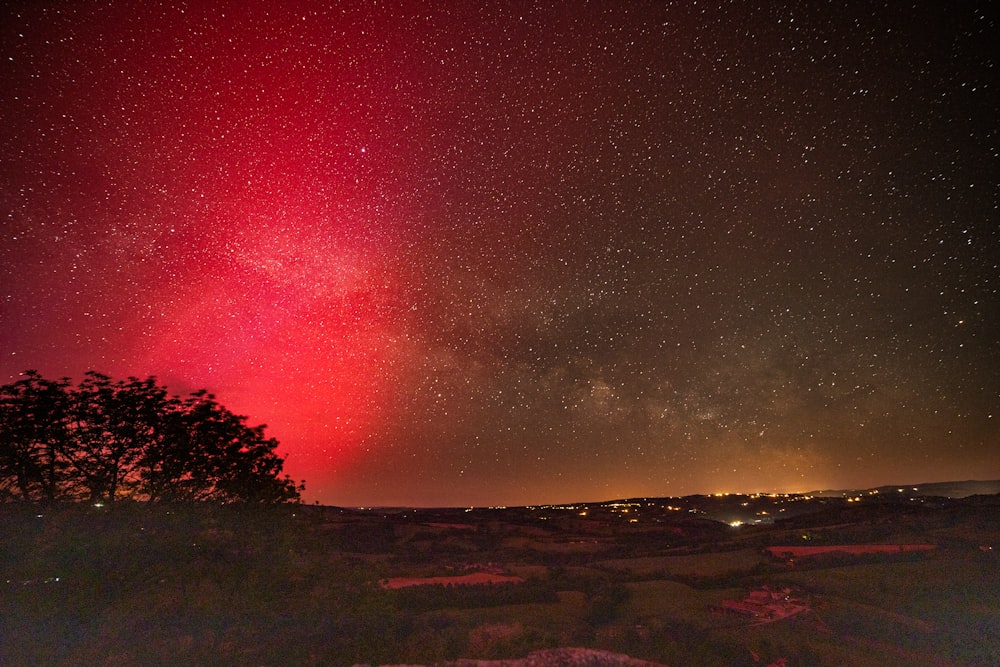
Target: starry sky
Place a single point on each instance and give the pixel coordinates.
(497, 253)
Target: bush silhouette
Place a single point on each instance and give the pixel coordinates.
(105, 440)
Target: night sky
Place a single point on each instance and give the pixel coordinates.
(464, 253)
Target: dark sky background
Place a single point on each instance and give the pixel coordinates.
(470, 253)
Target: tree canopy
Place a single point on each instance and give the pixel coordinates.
(104, 440)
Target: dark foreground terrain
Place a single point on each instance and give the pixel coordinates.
(872, 579)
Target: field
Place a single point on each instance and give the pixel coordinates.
(299, 585)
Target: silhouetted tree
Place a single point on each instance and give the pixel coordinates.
(34, 435)
(212, 454)
(105, 440)
(117, 423)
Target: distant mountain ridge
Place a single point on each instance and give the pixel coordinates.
(962, 489)
(954, 490)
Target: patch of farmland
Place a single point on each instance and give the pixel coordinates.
(702, 565)
(472, 579)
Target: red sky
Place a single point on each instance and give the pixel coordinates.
(521, 253)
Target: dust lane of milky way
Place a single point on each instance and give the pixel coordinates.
(513, 252)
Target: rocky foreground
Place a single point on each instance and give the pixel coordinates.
(560, 657)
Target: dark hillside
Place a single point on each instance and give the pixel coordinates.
(202, 584)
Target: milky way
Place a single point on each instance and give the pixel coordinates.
(503, 253)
